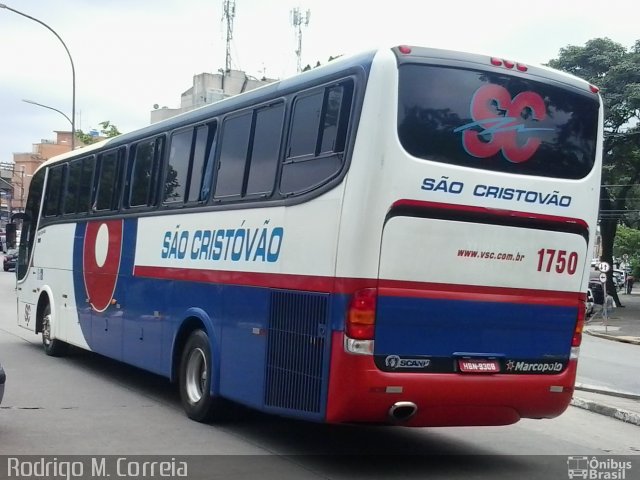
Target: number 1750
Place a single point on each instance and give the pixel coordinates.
(559, 260)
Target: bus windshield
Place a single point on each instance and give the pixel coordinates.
(496, 122)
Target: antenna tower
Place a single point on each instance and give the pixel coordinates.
(228, 14)
(298, 20)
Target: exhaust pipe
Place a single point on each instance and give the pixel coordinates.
(402, 411)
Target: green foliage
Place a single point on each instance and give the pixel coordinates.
(627, 242)
(616, 71)
(108, 130)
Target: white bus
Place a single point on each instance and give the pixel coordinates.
(399, 237)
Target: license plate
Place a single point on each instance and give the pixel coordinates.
(478, 365)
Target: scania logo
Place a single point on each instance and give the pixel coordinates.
(394, 362)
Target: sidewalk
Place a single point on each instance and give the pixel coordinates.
(623, 325)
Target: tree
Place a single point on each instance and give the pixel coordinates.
(616, 71)
(108, 130)
(627, 244)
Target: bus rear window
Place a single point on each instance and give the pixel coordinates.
(496, 122)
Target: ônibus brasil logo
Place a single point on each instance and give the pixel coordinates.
(597, 468)
(497, 121)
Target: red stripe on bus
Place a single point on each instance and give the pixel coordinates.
(394, 288)
(254, 279)
(490, 211)
(570, 299)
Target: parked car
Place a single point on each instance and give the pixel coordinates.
(3, 379)
(619, 278)
(10, 259)
(597, 292)
(590, 303)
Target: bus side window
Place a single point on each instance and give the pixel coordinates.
(78, 191)
(265, 150)
(86, 181)
(175, 186)
(207, 180)
(317, 138)
(53, 192)
(143, 172)
(200, 165)
(109, 165)
(187, 166)
(233, 155)
(73, 185)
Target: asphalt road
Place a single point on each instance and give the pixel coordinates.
(610, 364)
(85, 404)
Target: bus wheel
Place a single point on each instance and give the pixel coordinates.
(52, 346)
(195, 380)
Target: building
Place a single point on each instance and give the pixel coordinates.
(208, 88)
(15, 177)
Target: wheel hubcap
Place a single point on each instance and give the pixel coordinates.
(196, 375)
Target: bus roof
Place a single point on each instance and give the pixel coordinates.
(272, 90)
(343, 64)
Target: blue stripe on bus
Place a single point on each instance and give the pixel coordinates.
(422, 326)
(258, 368)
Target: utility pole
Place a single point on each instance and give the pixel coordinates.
(228, 14)
(298, 20)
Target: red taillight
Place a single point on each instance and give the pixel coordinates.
(496, 61)
(361, 316)
(521, 67)
(577, 333)
(509, 64)
(404, 49)
(594, 89)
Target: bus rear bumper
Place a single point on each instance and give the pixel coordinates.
(361, 393)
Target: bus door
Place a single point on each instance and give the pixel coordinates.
(28, 278)
(100, 259)
(27, 297)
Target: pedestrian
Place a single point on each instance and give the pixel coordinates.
(630, 281)
(609, 305)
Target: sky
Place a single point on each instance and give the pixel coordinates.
(132, 54)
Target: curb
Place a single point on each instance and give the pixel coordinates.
(606, 391)
(603, 409)
(623, 339)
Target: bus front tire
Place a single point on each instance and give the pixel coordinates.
(195, 379)
(51, 346)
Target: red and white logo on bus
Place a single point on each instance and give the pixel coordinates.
(101, 255)
(497, 121)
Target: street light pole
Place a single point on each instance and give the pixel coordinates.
(73, 71)
(22, 188)
(50, 108)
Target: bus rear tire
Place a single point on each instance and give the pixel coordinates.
(196, 367)
(51, 346)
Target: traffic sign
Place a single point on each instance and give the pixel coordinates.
(603, 277)
(604, 267)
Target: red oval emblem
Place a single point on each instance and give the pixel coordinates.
(101, 261)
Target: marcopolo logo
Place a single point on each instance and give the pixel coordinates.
(395, 362)
(516, 366)
(597, 468)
